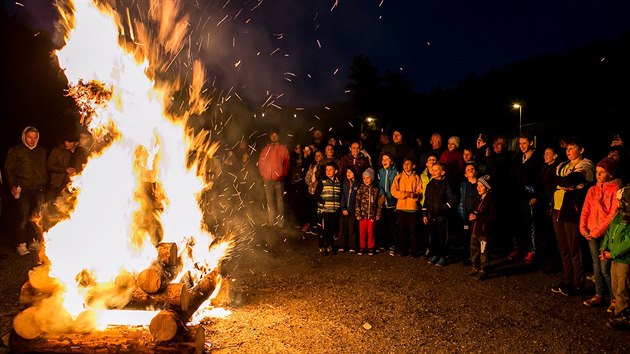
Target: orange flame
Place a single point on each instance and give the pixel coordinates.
(104, 235)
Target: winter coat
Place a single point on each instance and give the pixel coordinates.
(274, 162)
(617, 240)
(328, 194)
(484, 210)
(468, 196)
(572, 187)
(367, 206)
(60, 160)
(359, 163)
(26, 167)
(600, 207)
(385, 180)
(348, 195)
(453, 162)
(404, 182)
(439, 199)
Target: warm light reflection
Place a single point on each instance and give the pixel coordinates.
(103, 236)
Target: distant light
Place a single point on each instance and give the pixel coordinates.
(516, 105)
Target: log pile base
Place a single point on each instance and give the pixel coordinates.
(112, 340)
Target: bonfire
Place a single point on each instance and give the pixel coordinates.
(129, 265)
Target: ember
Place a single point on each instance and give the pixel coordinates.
(131, 261)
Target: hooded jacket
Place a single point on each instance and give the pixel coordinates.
(600, 207)
(26, 166)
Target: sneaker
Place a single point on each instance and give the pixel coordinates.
(22, 250)
(352, 250)
(34, 246)
(611, 307)
(330, 250)
(594, 301)
(441, 262)
(361, 251)
(434, 260)
(323, 252)
(341, 250)
(529, 258)
(482, 275)
(473, 273)
(371, 252)
(513, 255)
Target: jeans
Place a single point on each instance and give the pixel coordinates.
(28, 205)
(274, 194)
(601, 269)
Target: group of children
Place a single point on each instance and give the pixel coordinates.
(406, 198)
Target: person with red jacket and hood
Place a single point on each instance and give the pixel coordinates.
(273, 166)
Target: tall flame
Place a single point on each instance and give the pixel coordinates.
(102, 236)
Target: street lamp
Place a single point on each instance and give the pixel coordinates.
(520, 116)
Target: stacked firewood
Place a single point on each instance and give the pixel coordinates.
(151, 289)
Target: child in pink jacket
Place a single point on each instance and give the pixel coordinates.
(600, 207)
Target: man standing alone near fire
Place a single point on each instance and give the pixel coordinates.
(273, 166)
(26, 177)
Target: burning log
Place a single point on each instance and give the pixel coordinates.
(175, 296)
(155, 278)
(111, 340)
(29, 295)
(40, 279)
(167, 253)
(26, 325)
(165, 325)
(200, 293)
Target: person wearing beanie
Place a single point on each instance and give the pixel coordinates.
(485, 180)
(482, 219)
(367, 211)
(600, 207)
(26, 179)
(369, 172)
(608, 164)
(407, 189)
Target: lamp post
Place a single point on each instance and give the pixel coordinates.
(520, 116)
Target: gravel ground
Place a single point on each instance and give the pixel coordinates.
(285, 298)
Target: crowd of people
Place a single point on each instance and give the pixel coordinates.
(470, 203)
(551, 207)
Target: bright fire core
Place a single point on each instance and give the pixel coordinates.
(101, 238)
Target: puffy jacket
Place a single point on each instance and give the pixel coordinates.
(26, 168)
(404, 182)
(367, 206)
(617, 240)
(600, 207)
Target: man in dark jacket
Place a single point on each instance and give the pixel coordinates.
(26, 178)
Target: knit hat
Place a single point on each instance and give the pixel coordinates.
(369, 172)
(609, 165)
(485, 180)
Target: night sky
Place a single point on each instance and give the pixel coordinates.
(302, 50)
